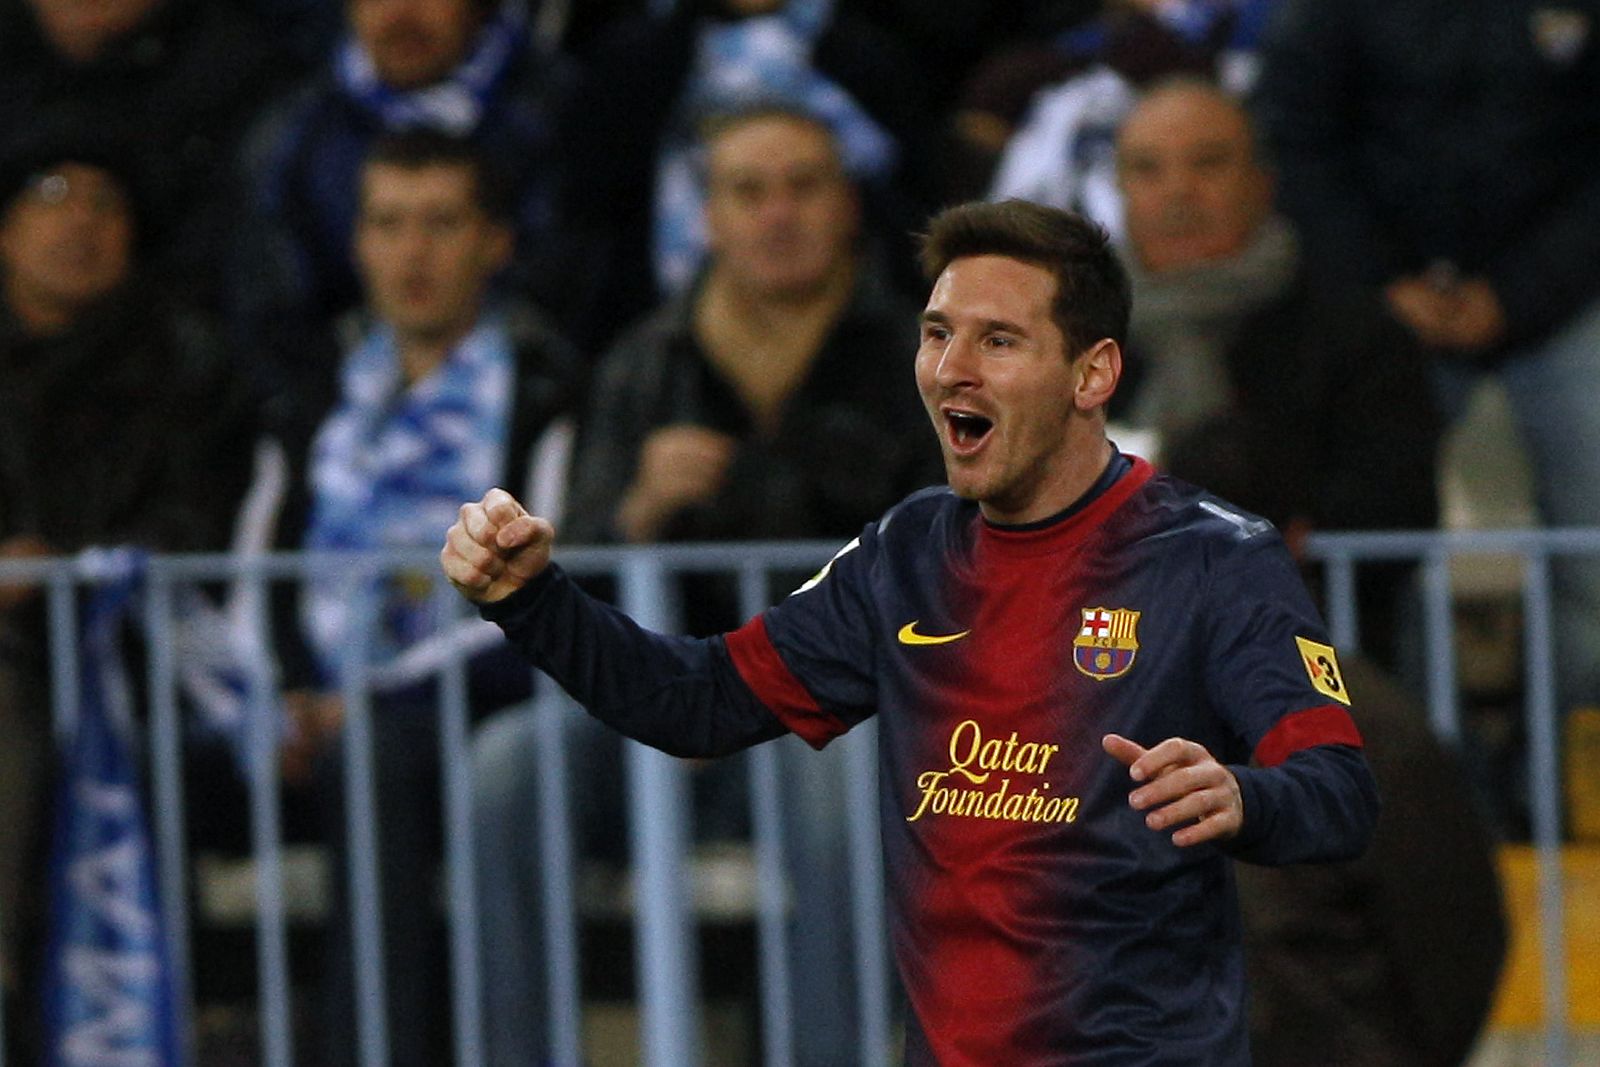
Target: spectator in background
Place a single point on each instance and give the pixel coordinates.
(1288, 398)
(121, 426)
(1301, 401)
(1049, 114)
(1391, 960)
(1449, 158)
(646, 88)
(179, 80)
(769, 402)
(717, 416)
(463, 67)
(444, 384)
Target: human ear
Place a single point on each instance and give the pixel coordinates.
(1099, 368)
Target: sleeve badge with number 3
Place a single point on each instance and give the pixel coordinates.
(1323, 668)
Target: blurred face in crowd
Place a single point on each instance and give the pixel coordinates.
(66, 241)
(1192, 188)
(79, 29)
(414, 43)
(426, 249)
(781, 217)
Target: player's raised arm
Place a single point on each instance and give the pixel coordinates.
(495, 548)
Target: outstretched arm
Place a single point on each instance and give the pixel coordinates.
(679, 694)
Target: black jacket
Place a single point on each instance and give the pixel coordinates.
(132, 427)
(1332, 421)
(175, 94)
(1412, 131)
(853, 438)
(1390, 960)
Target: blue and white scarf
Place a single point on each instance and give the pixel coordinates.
(390, 468)
(737, 64)
(455, 105)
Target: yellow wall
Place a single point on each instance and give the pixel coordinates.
(1520, 1003)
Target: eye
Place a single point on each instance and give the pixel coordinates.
(932, 331)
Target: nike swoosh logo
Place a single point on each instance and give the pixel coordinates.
(908, 636)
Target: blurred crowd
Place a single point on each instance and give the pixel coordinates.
(295, 274)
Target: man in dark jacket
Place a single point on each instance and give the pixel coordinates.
(1393, 959)
(1292, 395)
(122, 425)
(1448, 154)
(1287, 396)
(441, 383)
(771, 402)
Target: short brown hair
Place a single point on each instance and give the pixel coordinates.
(1093, 297)
(421, 147)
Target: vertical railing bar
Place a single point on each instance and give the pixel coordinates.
(551, 709)
(1344, 626)
(454, 769)
(866, 869)
(262, 736)
(3, 921)
(1544, 778)
(1439, 634)
(772, 901)
(64, 681)
(366, 904)
(659, 817)
(166, 760)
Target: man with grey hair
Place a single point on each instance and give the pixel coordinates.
(1289, 399)
(1243, 376)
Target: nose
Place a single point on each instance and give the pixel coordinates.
(957, 364)
(778, 207)
(412, 243)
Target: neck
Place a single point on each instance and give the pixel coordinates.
(38, 316)
(766, 311)
(422, 353)
(765, 344)
(1080, 469)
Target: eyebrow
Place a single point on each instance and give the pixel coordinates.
(939, 318)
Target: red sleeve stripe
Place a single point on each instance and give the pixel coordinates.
(770, 679)
(1327, 725)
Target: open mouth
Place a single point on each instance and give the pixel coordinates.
(967, 431)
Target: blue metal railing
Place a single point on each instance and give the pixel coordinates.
(665, 948)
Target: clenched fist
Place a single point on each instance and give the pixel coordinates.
(495, 548)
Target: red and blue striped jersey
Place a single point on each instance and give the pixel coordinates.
(1035, 918)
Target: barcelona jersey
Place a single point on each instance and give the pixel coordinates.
(1035, 918)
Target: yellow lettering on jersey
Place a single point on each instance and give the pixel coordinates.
(1322, 667)
(973, 759)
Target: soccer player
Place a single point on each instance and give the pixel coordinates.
(1095, 685)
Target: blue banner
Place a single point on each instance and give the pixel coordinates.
(108, 990)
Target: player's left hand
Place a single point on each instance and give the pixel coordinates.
(1184, 786)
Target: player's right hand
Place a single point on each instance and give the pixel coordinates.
(495, 548)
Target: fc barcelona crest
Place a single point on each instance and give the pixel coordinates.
(1107, 642)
